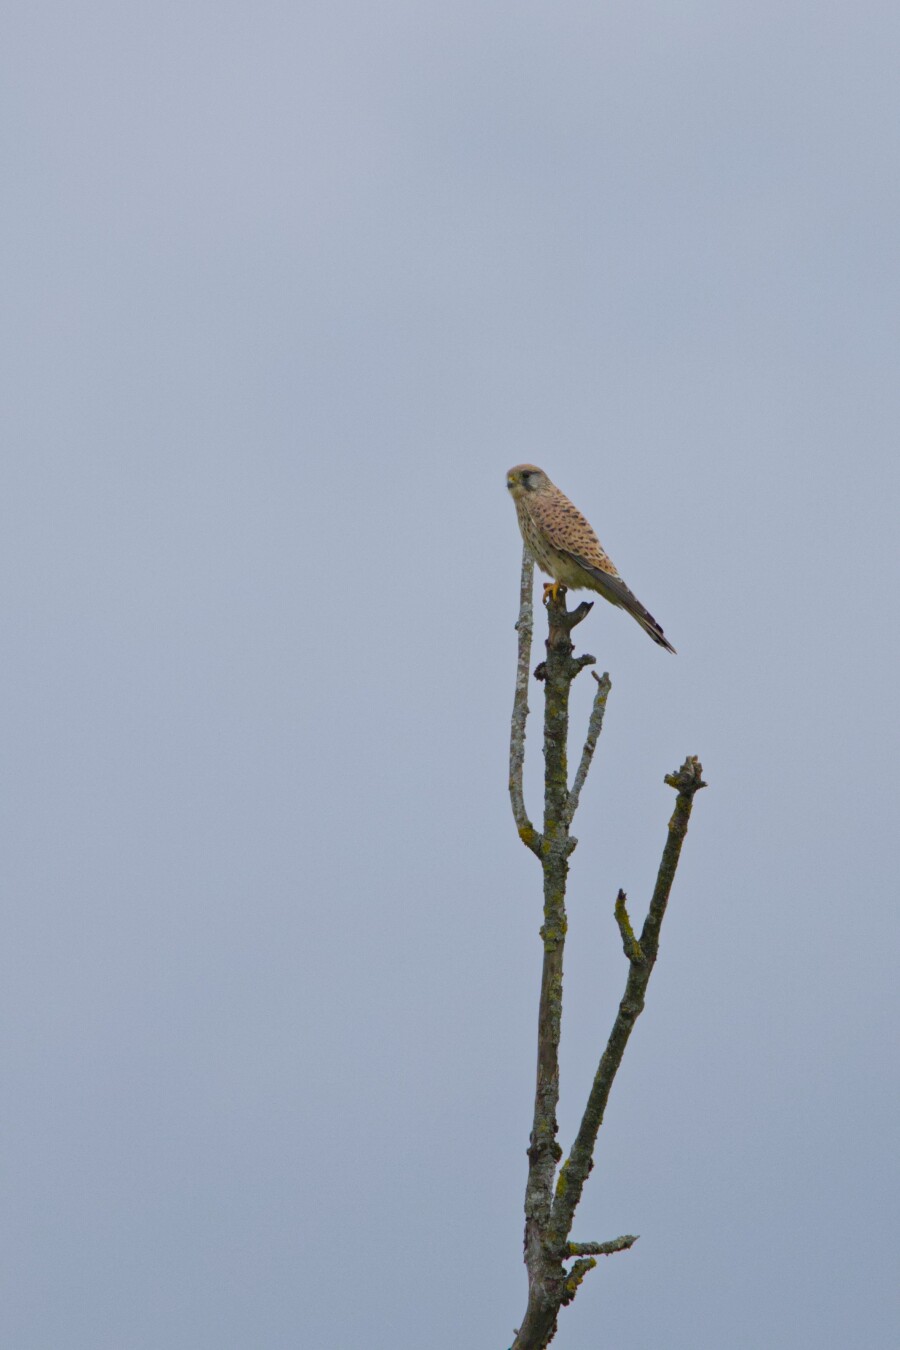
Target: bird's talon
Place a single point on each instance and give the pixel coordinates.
(551, 588)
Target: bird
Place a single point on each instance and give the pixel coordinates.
(564, 546)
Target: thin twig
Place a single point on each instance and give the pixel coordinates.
(595, 726)
(525, 627)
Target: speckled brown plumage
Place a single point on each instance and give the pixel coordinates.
(564, 546)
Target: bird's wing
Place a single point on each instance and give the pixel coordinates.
(609, 584)
(567, 531)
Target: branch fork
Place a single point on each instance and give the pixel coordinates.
(552, 1197)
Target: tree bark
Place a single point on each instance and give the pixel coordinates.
(551, 1201)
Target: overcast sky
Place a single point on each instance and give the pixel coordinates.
(287, 287)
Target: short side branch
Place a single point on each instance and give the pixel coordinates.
(619, 1244)
(587, 1252)
(641, 959)
(629, 942)
(574, 1278)
(525, 627)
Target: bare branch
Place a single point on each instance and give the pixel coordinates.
(576, 1169)
(595, 726)
(574, 1278)
(550, 1201)
(548, 1280)
(629, 941)
(619, 1244)
(525, 627)
(544, 1151)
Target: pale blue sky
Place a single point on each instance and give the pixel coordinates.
(287, 288)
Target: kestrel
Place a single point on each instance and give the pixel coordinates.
(564, 546)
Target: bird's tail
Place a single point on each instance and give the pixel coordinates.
(649, 624)
(611, 586)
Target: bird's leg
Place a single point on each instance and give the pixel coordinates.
(551, 588)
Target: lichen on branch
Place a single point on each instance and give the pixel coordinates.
(550, 1198)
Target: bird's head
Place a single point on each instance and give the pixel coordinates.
(525, 478)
